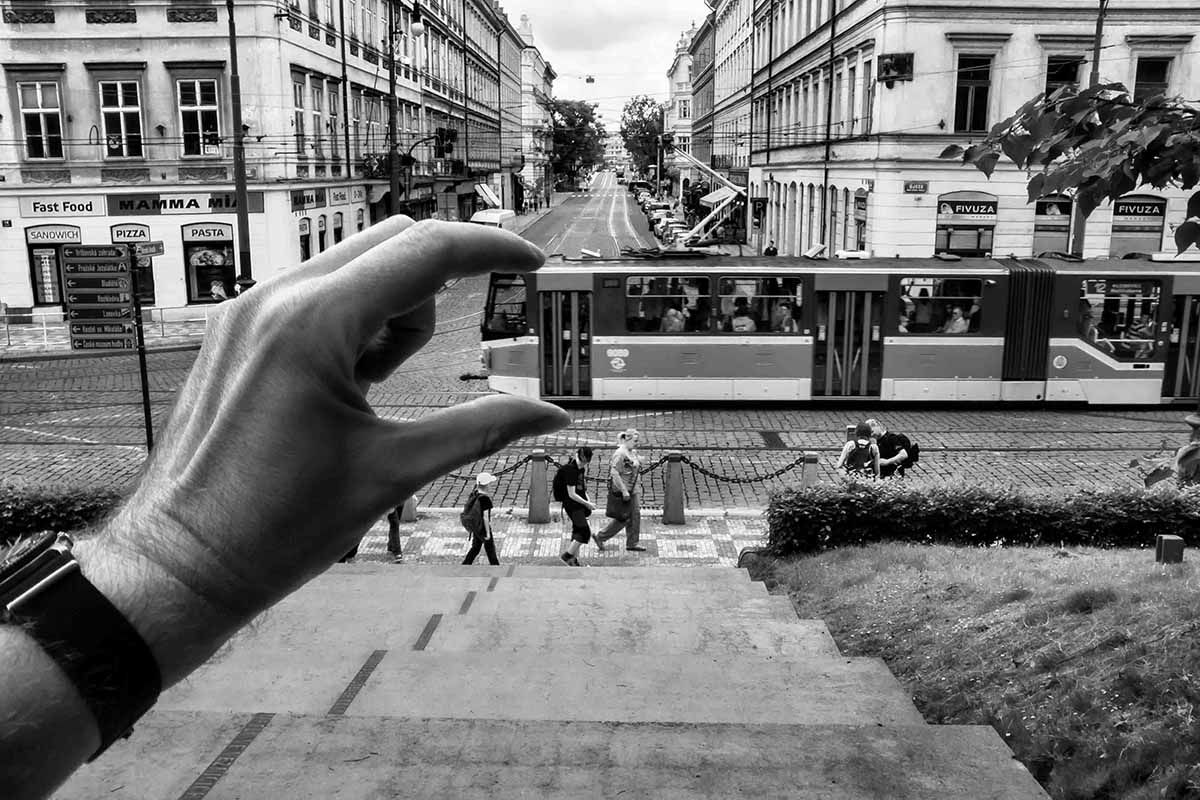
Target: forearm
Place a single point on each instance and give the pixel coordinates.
(618, 482)
(46, 730)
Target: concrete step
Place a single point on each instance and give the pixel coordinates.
(607, 687)
(597, 631)
(644, 602)
(650, 573)
(327, 758)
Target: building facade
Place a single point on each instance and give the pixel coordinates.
(855, 100)
(537, 81)
(118, 128)
(678, 117)
(701, 51)
(732, 75)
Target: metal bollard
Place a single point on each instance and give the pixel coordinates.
(408, 513)
(673, 490)
(808, 474)
(1168, 549)
(850, 432)
(539, 495)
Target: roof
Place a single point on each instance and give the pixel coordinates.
(710, 263)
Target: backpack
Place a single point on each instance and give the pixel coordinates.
(558, 488)
(914, 455)
(472, 516)
(860, 459)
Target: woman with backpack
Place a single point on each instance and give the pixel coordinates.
(860, 456)
(476, 518)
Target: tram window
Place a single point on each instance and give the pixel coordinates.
(667, 304)
(505, 312)
(1119, 317)
(940, 305)
(748, 304)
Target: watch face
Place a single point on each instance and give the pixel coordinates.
(25, 551)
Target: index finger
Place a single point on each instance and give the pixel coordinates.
(398, 275)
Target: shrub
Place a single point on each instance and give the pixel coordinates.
(826, 516)
(24, 511)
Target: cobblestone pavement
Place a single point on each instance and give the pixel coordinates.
(78, 421)
(436, 537)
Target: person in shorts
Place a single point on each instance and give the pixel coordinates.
(577, 507)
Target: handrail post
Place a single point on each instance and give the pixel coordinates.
(808, 475)
(409, 511)
(673, 490)
(539, 496)
(850, 429)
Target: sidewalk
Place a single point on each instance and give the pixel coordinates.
(50, 339)
(709, 538)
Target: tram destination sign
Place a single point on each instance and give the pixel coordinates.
(98, 288)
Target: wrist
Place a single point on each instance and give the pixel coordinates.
(183, 615)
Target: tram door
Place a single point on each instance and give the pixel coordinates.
(848, 351)
(1182, 374)
(566, 343)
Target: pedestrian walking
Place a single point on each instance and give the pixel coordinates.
(570, 489)
(476, 518)
(393, 540)
(622, 506)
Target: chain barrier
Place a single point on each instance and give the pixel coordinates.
(752, 479)
(497, 473)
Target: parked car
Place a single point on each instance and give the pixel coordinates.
(661, 223)
(658, 205)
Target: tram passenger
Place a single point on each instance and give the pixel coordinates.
(922, 321)
(957, 322)
(700, 319)
(672, 320)
(783, 321)
(742, 322)
(1090, 333)
(1143, 330)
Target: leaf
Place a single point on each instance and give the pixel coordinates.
(987, 163)
(953, 151)
(1186, 235)
(1034, 188)
(1193, 205)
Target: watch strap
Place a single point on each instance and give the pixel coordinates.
(100, 651)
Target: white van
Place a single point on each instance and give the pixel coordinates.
(495, 217)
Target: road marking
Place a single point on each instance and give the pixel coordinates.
(356, 684)
(64, 437)
(221, 764)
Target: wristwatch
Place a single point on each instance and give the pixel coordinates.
(43, 590)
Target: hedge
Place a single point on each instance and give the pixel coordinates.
(24, 511)
(822, 517)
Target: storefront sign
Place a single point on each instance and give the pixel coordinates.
(304, 199)
(339, 195)
(967, 211)
(1146, 214)
(916, 187)
(741, 178)
(321, 223)
(196, 203)
(358, 194)
(51, 206)
(52, 234)
(129, 233)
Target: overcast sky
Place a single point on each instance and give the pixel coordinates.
(626, 45)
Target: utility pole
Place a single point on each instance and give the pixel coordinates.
(1079, 220)
(245, 277)
(393, 123)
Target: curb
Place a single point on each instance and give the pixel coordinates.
(64, 355)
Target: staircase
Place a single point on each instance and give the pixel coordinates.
(380, 681)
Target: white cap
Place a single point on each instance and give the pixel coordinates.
(485, 479)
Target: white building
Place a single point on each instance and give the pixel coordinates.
(537, 81)
(678, 120)
(118, 127)
(847, 134)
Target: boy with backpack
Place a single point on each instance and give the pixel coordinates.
(570, 489)
(860, 456)
(476, 518)
(896, 451)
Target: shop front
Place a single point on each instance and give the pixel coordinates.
(966, 223)
(1052, 225)
(44, 245)
(210, 269)
(132, 233)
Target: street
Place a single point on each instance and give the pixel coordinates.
(78, 421)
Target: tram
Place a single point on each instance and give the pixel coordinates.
(1042, 330)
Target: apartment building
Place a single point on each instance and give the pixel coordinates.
(703, 90)
(678, 116)
(118, 128)
(732, 73)
(537, 81)
(853, 100)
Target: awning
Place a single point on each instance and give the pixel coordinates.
(718, 196)
(489, 197)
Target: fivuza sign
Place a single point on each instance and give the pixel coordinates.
(974, 210)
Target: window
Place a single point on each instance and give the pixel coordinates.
(335, 100)
(940, 305)
(298, 93)
(318, 115)
(352, 17)
(685, 109)
(971, 99)
(1062, 71)
(41, 117)
(667, 304)
(749, 304)
(356, 116)
(1151, 80)
(1119, 317)
(506, 313)
(199, 118)
(121, 113)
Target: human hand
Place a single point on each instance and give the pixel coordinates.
(273, 464)
(625, 496)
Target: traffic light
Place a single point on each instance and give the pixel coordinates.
(668, 141)
(444, 139)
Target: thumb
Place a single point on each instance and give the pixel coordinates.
(415, 453)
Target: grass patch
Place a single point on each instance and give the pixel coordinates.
(1086, 661)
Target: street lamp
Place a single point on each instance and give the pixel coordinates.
(417, 27)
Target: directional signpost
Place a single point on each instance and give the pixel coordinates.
(102, 310)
